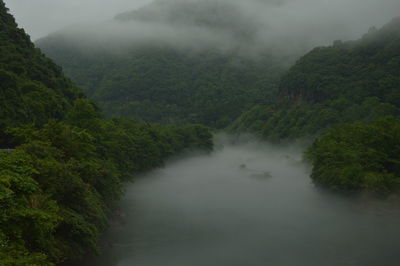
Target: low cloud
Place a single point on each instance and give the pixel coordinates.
(286, 27)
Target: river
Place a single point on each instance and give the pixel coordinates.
(248, 204)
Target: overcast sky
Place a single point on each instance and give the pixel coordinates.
(41, 17)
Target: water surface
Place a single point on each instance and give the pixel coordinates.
(246, 205)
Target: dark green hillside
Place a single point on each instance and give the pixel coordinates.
(359, 157)
(62, 164)
(172, 81)
(348, 94)
(346, 82)
(163, 85)
(33, 88)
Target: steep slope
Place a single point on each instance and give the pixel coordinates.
(64, 171)
(172, 62)
(346, 82)
(348, 95)
(33, 88)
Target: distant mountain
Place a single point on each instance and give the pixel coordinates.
(219, 16)
(346, 82)
(172, 62)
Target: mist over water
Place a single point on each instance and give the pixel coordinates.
(249, 29)
(246, 204)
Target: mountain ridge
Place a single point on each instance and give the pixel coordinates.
(163, 82)
(346, 82)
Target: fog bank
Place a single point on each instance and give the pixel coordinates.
(288, 27)
(41, 17)
(246, 204)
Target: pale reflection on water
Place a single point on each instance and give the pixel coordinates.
(246, 205)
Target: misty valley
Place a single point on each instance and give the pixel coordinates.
(247, 203)
(200, 132)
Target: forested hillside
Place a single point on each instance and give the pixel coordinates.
(199, 65)
(359, 157)
(33, 88)
(167, 86)
(61, 163)
(346, 82)
(348, 96)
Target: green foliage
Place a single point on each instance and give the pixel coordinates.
(58, 185)
(28, 218)
(61, 164)
(359, 157)
(352, 82)
(347, 82)
(32, 88)
(167, 85)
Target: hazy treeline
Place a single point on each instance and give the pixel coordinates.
(202, 61)
(169, 62)
(166, 86)
(227, 64)
(346, 82)
(349, 82)
(253, 27)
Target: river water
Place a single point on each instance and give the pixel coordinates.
(247, 204)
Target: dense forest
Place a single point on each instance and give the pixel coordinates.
(359, 157)
(33, 88)
(346, 82)
(200, 80)
(61, 163)
(347, 96)
(167, 86)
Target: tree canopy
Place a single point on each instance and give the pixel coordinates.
(62, 163)
(347, 82)
(359, 157)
